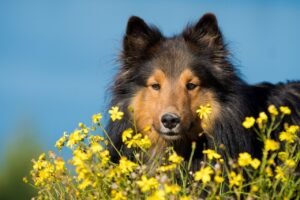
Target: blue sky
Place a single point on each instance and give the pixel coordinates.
(57, 58)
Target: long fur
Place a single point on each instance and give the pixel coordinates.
(237, 98)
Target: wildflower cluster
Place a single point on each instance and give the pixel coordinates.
(136, 140)
(90, 174)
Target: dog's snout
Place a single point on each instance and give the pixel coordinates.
(170, 120)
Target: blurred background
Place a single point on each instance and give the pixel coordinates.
(57, 59)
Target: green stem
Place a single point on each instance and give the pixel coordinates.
(263, 164)
(111, 142)
(191, 156)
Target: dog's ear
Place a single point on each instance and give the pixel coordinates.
(205, 32)
(139, 36)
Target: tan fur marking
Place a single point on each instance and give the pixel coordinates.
(157, 77)
(187, 76)
(142, 114)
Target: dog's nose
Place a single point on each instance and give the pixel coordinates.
(170, 120)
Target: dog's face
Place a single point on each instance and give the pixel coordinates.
(176, 98)
(171, 94)
(169, 78)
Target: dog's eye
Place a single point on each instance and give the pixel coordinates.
(190, 86)
(155, 86)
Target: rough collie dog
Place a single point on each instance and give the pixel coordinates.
(165, 79)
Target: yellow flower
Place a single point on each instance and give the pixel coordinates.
(145, 142)
(283, 156)
(75, 137)
(280, 174)
(83, 128)
(184, 197)
(126, 165)
(157, 195)
(293, 129)
(219, 179)
(137, 140)
(96, 118)
(271, 145)
(127, 134)
(115, 114)
(25, 180)
(271, 161)
(39, 163)
(211, 154)
(166, 168)
(117, 195)
(112, 173)
(84, 184)
(43, 171)
(61, 141)
(244, 159)
(134, 141)
(254, 188)
(285, 110)
(172, 189)
(204, 174)
(269, 171)
(59, 165)
(175, 158)
(82, 155)
(105, 157)
(146, 184)
(96, 147)
(255, 163)
(273, 110)
(235, 179)
(287, 136)
(290, 163)
(263, 116)
(262, 119)
(204, 111)
(249, 122)
(96, 138)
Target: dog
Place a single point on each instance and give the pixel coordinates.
(165, 79)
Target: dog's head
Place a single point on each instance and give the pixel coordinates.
(166, 79)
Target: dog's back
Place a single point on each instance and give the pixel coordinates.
(283, 94)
